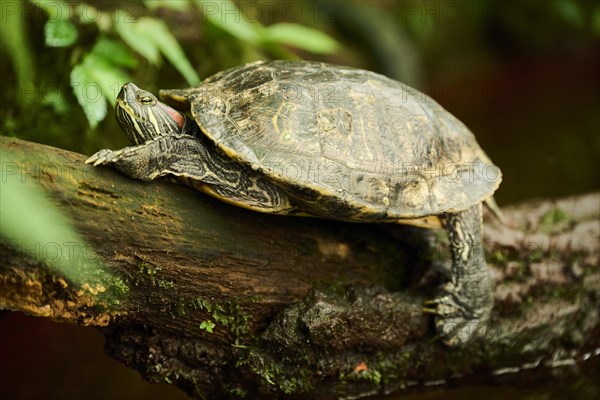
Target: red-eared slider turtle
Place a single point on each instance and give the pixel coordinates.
(308, 138)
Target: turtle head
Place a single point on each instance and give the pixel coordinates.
(142, 117)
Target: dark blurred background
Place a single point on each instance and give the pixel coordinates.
(523, 75)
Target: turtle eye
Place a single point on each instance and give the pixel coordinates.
(146, 100)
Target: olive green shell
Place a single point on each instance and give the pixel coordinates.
(345, 136)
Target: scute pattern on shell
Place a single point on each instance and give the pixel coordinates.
(356, 140)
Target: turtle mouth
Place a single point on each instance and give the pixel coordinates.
(123, 107)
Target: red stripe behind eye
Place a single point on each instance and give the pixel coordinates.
(178, 117)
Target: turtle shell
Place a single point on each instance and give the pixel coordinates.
(341, 136)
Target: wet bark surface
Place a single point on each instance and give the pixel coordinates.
(227, 303)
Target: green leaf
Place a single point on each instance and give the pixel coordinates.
(56, 99)
(88, 93)
(300, 36)
(169, 47)
(14, 41)
(116, 52)
(208, 326)
(228, 17)
(139, 37)
(150, 37)
(98, 78)
(55, 9)
(59, 33)
(177, 5)
(107, 76)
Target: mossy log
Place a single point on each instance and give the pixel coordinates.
(226, 303)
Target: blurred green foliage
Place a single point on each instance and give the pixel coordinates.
(103, 63)
(271, 37)
(69, 59)
(35, 227)
(96, 78)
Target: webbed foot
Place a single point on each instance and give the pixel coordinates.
(459, 318)
(139, 162)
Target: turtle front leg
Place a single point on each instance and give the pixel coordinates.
(464, 307)
(152, 159)
(186, 157)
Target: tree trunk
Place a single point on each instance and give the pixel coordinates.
(224, 302)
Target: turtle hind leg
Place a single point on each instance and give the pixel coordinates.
(463, 309)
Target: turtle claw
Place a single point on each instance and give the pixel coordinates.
(104, 156)
(430, 306)
(457, 321)
(99, 158)
(91, 159)
(429, 310)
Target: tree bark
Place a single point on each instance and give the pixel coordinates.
(223, 302)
